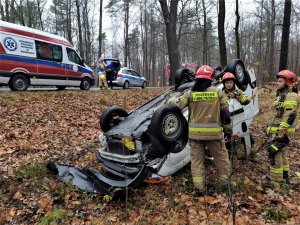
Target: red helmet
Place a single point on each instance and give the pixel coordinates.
(205, 72)
(228, 76)
(289, 76)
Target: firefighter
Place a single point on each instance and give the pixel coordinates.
(230, 91)
(286, 105)
(205, 129)
(101, 73)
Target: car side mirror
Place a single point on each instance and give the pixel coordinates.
(82, 61)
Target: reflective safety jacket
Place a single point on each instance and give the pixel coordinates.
(236, 93)
(287, 105)
(204, 113)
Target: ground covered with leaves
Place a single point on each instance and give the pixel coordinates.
(64, 126)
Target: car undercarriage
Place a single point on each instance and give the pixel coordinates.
(152, 140)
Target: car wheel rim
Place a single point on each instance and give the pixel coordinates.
(20, 84)
(171, 125)
(239, 72)
(126, 85)
(86, 84)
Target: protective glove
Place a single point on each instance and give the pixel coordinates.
(272, 149)
(281, 132)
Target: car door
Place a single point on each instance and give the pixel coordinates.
(50, 69)
(74, 67)
(138, 79)
(128, 76)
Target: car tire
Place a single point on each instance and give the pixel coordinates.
(169, 126)
(111, 116)
(85, 84)
(61, 88)
(144, 85)
(185, 86)
(237, 68)
(126, 85)
(19, 83)
(182, 76)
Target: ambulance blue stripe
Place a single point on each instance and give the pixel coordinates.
(43, 62)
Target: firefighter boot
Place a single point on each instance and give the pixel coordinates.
(286, 177)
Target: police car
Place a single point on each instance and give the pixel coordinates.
(129, 78)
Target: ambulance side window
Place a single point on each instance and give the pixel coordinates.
(48, 51)
(73, 57)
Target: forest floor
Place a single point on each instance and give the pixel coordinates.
(64, 125)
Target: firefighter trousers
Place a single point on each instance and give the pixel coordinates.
(219, 153)
(279, 163)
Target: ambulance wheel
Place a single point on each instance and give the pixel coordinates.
(111, 117)
(61, 88)
(85, 84)
(169, 125)
(19, 83)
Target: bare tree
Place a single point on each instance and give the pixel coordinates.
(170, 18)
(285, 35)
(100, 28)
(236, 29)
(221, 33)
(79, 28)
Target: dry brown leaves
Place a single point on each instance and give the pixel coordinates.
(39, 126)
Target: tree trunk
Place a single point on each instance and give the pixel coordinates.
(69, 21)
(126, 27)
(271, 57)
(221, 33)
(236, 29)
(2, 11)
(100, 29)
(79, 28)
(205, 42)
(170, 18)
(285, 35)
(7, 10)
(40, 11)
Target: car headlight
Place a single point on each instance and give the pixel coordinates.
(128, 143)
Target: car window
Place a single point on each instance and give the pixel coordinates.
(48, 51)
(73, 57)
(127, 72)
(135, 73)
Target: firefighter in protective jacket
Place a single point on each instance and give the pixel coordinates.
(286, 105)
(101, 73)
(205, 127)
(229, 92)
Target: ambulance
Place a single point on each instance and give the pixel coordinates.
(32, 57)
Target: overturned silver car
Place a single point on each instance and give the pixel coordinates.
(151, 141)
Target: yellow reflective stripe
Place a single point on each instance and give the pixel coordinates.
(289, 104)
(243, 98)
(184, 99)
(204, 96)
(198, 179)
(286, 167)
(276, 170)
(274, 147)
(275, 129)
(224, 176)
(275, 102)
(284, 124)
(206, 129)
